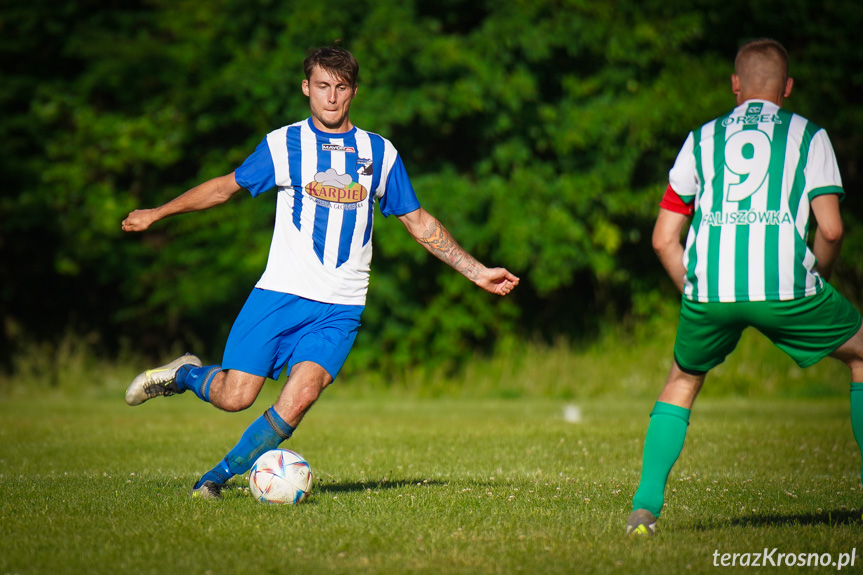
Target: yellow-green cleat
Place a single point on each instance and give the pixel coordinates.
(159, 381)
(641, 522)
(207, 490)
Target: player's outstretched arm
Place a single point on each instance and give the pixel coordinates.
(431, 234)
(666, 244)
(203, 196)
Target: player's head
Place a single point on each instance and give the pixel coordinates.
(761, 71)
(335, 60)
(331, 84)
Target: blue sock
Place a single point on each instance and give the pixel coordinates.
(198, 379)
(265, 433)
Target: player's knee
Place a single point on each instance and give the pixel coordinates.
(237, 403)
(239, 398)
(236, 391)
(308, 394)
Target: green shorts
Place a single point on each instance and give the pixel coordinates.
(807, 329)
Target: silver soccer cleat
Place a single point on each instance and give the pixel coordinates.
(159, 381)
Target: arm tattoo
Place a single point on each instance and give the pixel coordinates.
(440, 242)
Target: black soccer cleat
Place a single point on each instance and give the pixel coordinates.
(208, 490)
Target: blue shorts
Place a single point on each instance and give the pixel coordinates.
(275, 329)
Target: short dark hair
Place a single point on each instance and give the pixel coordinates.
(334, 59)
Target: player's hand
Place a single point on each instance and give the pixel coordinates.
(138, 221)
(497, 280)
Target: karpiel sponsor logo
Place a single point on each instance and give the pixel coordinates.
(331, 186)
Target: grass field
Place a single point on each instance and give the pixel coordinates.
(413, 485)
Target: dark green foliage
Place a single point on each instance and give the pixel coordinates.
(540, 132)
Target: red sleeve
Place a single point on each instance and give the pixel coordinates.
(672, 202)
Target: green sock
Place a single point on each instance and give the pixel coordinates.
(857, 416)
(662, 447)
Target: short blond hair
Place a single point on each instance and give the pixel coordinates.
(762, 63)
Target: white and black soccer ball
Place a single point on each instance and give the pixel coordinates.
(280, 476)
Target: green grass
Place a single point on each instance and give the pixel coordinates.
(425, 472)
(415, 485)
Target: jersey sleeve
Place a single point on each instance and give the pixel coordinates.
(822, 171)
(683, 177)
(257, 173)
(399, 197)
(673, 202)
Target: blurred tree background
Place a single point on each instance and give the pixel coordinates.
(539, 131)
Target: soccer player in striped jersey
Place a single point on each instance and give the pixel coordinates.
(747, 183)
(305, 310)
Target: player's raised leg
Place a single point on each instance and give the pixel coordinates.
(229, 389)
(306, 382)
(662, 446)
(209, 382)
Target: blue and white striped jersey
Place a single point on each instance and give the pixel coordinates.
(327, 185)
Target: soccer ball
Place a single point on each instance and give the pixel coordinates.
(280, 476)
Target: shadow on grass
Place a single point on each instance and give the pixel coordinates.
(323, 486)
(833, 518)
(236, 491)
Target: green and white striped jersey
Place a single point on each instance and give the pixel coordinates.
(752, 174)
